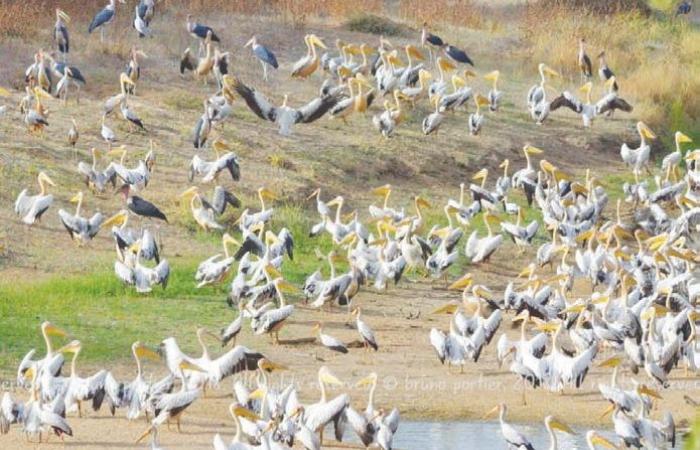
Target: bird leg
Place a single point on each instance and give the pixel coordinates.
(264, 70)
(178, 423)
(80, 409)
(102, 34)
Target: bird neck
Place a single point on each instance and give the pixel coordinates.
(47, 340)
(72, 364)
(138, 363)
(280, 295)
(237, 422)
(331, 264)
(205, 350)
(552, 438)
(370, 401)
(323, 390)
(79, 205)
(42, 187)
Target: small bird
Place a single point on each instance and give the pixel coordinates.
(329, 341)
(73, 133)
(365, 331)
(107, 133)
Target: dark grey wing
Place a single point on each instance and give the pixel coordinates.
(221, 198)
(252, 244)
(615, 103)
(566, 100)
(425, 247)
(256, 101)
(287, 241)
(187, 62)
(315, 109)
(145, 208)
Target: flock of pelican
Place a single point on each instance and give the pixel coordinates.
(600, 283)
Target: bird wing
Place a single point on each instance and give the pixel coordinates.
(145, 208)
(265, 54)
(256, 102)
(252, 244)
(568, 100)
(315, 109)
(124, 273)
(101, 18)
(236, 360)
(285, 237)
(438, 341)
(614, 103)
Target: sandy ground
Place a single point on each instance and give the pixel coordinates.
(410, 377)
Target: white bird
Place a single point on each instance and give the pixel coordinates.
(31, 207)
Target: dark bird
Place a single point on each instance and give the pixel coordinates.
(604, 71)
(584, 62)
(139, 206)
(457, 55)
(684, 7)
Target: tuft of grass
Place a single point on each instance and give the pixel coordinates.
(180, 99)
(373, 24)
(461, 13)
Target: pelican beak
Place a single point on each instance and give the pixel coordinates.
(269, 366)
(527, 271)
(53, 330)
(186, 365)
(117, 219)
(315, 40)
(76, 198)
(464, 282)
(557, 424)
(611, 362)
(382, 190)
(491, 412)
(268, 194)
(39, 92)
(646, 131)
(657, 242)
(600, 441)
(272, 272)
(336, 258)
(480, 175)
(610, 82)
(314, 194)
(680, 137)
(189, 192)
(29, 373)
(547, 327)
(447, 308)
(143, 351)
(44, 177)
(4, 92)
(250, 42)
(145, 433)
(551, 72)
(228, 239)
(586, 87)
(445, 64)
(482, 292)
(492, 76)
(522, 316)
(480, 100)
(575, 308)
(492, 219)
(414, 52)
(600, 299)
(367, 381)
(71, 347)
(530, 150)
(328, 378)
(644, 389)
(65, 17)
(286, 286)
(607, 411)
(350, 238)
(240, 411)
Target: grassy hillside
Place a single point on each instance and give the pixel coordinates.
(44, 276)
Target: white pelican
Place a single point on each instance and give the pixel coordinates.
(204, 216)
(80, 389)
(521, 234)
(318, 415)
(210, 170)
(137, 391)
(50, 363)
(432, 122)
(476, 119)
(329, 341)
(593, 439)
(272, 320)
(366, 333)
(673, 159)
(514, 438)
(97, 179)
(236, 411)
(138, 177)
(80, 229)
(494, 95)
(307, 65)
(449, 347)
(140, 276)
(537, 95)
(284, 116)
(112, 102)
(107, 133)
(439, 86)
(214, 269)
(31, 207)
(460, 95)
(638, 158)
(413, 93)
(480, 249)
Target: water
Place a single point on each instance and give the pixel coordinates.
(419, 435)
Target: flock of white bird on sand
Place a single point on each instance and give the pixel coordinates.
(638, 303)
